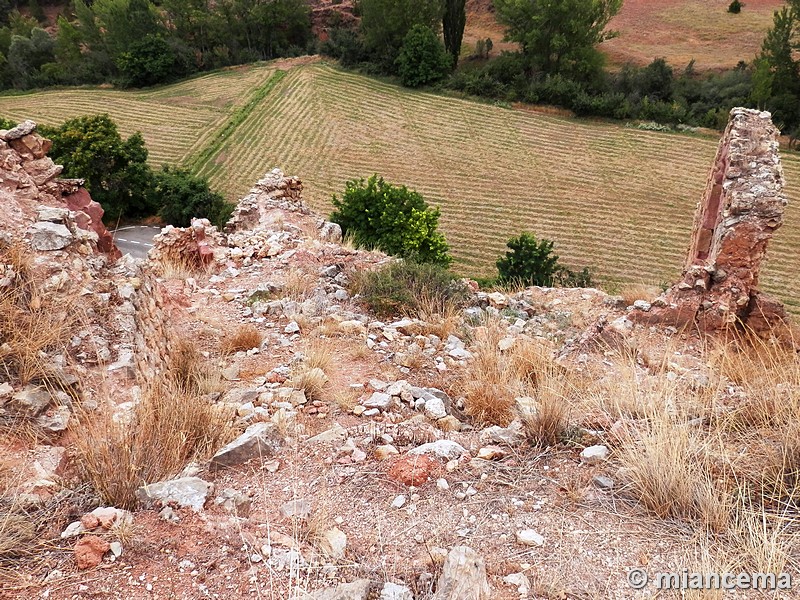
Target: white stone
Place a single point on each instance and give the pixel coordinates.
(529, 537)
(399, 501)
(594, 454)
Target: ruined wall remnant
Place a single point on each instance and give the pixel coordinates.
(274, 190)
(741, 209)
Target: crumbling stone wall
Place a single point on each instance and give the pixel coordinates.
(740, 211)
(274, 190)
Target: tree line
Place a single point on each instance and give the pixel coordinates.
(559, 62)
(139, 43)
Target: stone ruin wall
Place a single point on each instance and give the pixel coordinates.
(741, 209)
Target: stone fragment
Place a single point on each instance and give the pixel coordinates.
(333, 543)
(21, 130)
(435, 409)
(594, 454)
(491, 453)
(31, 401)
(259, 440)
(463, 576)
(512, 435)
(413, 470)
(530, 537)
(46, 236)
(379, 400)
(299, 508)
(445, 449)
(89, 551)
(385, 451)
(356, 590)
(603, 482)
(394, 591)
(330, 232)
(184, 492)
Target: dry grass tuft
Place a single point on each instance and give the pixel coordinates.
(667, 468)
(166, 430)
(33, 324)
(312, 381)
(320, 354)
(547, 425)
(181, 266)
(498, 377)
(18, 533)
(639, 291)
(299, 285)
(246, 337)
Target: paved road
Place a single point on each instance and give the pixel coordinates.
(135, 240)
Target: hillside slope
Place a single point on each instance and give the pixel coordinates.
(617, 199)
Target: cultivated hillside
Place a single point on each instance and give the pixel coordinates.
(614, 198)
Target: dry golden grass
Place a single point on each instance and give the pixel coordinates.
(440, 317)
(667, 470)
(299, 285)
(320, 354)
(312, 381)
(166, 430)
(32, 323)
(497, 378)
(639, 291)
(18, 533)
(246, 337)
(181, 266)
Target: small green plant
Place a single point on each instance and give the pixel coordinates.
(529, 262)
(391, 218)
(422, 58)
(414, 289)
(735, 7)
(182, 196)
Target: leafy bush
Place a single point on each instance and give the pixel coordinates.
(423, 59)
(152, 60)
(395, 219)
(529, 262)
(115, 170)
(735, 7)
(410, 288)
(181, 196)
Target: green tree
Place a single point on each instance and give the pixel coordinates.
(559, 37)
(529, 262)
(386, 23)
(151, 60)
(453, 22)
(115, 170)
(182, 196)
(776, 79)
(422, 58)
(394, 219)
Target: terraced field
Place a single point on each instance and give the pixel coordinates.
(617, 199)
(176, 120)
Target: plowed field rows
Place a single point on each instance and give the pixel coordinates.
(617, 199)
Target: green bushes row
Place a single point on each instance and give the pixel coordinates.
(117, 175)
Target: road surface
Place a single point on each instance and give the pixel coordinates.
(135, 240)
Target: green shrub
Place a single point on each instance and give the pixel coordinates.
(115, 170)
(394, 219)
(182, 196)
(410, 288)
(735, 7)
(529, 262)
(423, 58)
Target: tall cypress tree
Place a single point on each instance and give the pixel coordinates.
(453, 22)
